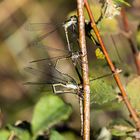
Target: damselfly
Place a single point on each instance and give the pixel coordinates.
(69, 23)
(73, 55)
(64, 83)
(72, 24)
(61, 82)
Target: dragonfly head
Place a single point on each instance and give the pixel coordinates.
(72, 21)
(73, 18)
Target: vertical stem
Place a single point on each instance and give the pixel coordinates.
(81, 114)
(86, 88)
(80, 99)
(113, 69)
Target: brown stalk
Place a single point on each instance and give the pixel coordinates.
(132, 112)
(127, 30)
(86, 88)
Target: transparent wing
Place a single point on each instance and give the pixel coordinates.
(40, 26)
(48, 27)
(63, 54)
(45, 35)
(50, 75)
(45, 77)
(47, 60)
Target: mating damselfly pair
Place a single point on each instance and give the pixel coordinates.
(60, 81)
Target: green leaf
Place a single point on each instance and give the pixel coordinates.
(56, 136)
(106, 25)
(68, 135)
(104, 134)
(138, 38)
(121, 127)
(20, 133)
(50, 110)
(122, 2)
(133, 91)
(4, 134)
(101, 92)
(128, 138)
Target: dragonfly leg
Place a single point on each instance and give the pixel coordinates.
(55, 90)
(67, 38)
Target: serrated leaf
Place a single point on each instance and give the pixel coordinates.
(21, 134)
(50, 110)
(101, 92)
(133, 91)
(4, 134)
(56, 136)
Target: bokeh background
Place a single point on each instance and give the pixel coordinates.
(16, 99)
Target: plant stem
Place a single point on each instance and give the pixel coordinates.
(134, 49)
(133, 114)
(86, 88)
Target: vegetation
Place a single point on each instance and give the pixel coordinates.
(45, 73)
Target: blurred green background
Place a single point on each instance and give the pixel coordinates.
(16, 99)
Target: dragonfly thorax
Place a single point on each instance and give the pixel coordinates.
(72, 86)
(75, 55)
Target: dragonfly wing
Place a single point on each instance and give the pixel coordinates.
(46, 77)
(47, 70)
(38, 26)
(49, 60)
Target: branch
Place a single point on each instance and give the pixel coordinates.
(133, 113)
(86, 88)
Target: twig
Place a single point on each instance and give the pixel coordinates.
(86, 88)
(134, 48)
(133, 113)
